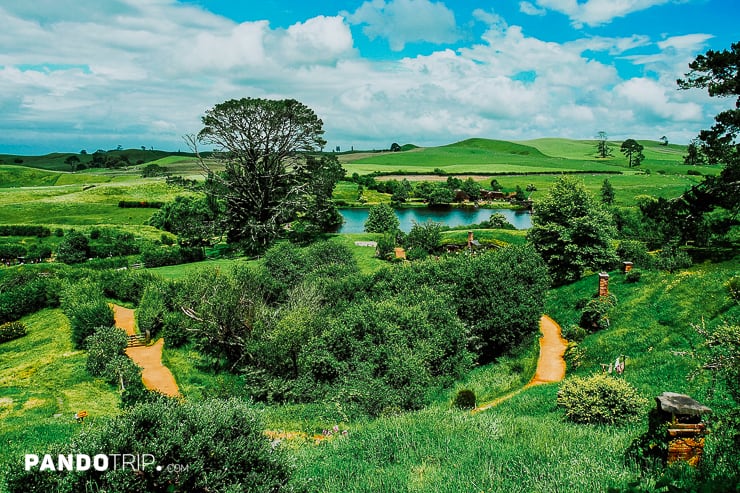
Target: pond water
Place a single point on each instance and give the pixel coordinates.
(354, 219)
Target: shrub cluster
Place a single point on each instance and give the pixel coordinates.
(220, 441)
(24, 230)
(139, 204)
(23, 292)
(595, 315)
(83, 303)
(600, 398)
(11, 330)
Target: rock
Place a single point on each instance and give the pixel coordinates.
(680, 404)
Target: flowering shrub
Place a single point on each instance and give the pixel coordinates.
(11, 330)
(600, 398)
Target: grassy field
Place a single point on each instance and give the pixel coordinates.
(43, 383)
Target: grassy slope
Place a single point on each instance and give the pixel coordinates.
(525, 444)
(43, 382)
(55, 161)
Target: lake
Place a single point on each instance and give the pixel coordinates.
(354, 219)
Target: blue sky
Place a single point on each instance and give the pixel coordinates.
(87, 74)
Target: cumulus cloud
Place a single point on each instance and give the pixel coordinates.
(143, 72)
(406, 21)
(597, 12)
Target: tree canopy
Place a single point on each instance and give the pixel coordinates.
(270, 178)
(633, 151)
(572, 231)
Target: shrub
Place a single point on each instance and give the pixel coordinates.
(464, 399)
(381, 219)
(671, 258)
(174, 329)
(94, 234)
(600, 398)
(574, 333)
(733, 286)
(634, 251)
(595, 315)
(59, 232)
(632, 276)
(11, 330)
(73, 249)
(103, 346)
(220, 443)
(84, 305)
(157, 256)
(693, 172)
(23, 292)
(24, 230)
(427, 236)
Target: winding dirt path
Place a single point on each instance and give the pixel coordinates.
(154, 374)
(550, 365)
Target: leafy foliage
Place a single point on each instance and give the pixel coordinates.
(11, 330)
(600, 398)
(633, 150)
(381, 219)
(268, 180)
(86, 308)
(219, 443)
(426, 236)
(572, 231)
(74, 248)
(464, 399)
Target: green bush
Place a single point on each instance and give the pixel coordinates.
(671, 258)
(733, 286)
(636, 252)
(23, 292)
(219, 443)
(632, 276)
(426, 236)
(102, 347)
(464, 399)
(153, 255)
(73, 249)
(174, 329)
(11, 330)
(600, 398)
(83, 303)
(574, 333)
(595, 315)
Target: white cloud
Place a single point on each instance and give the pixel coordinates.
(531, 9)
(138, 72)
(597, 12)
(406, 21)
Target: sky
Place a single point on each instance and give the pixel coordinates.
(92, 74)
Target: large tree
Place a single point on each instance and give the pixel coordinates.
(270, 177)
(572, 231)
(603, 149)
(713, 206)
(633, 151)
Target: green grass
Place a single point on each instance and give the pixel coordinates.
(55, 161)
(540, 155)
(495, 236)
(43, 382)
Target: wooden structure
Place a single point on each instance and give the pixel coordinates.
(626, 267)
(603, 284)
(137, 340)
(686, 431)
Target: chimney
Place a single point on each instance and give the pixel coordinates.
(470, 240)
(626, 267)
(603, 284)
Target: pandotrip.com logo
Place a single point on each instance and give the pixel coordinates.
(99, 462)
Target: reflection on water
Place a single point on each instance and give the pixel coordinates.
(354, 219)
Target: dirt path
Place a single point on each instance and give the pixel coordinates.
(550, 365)
(124, 319)
(154, 374)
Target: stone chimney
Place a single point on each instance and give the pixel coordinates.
(470, 240)
(603, 284)
(626, 267)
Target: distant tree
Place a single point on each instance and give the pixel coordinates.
(572, 231)
(381, 219)
(73, 249)
(268, 179)
(607, 192)
(694, 156)
(440, 194)
(603, 149)
(143, 148)
(519, 194)
(83, 152)
(426, 236)
(496, 186)
(395, 147)
(471, 188)
(633, 151)
(664, 141)
(190, 218)
(73, 161)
